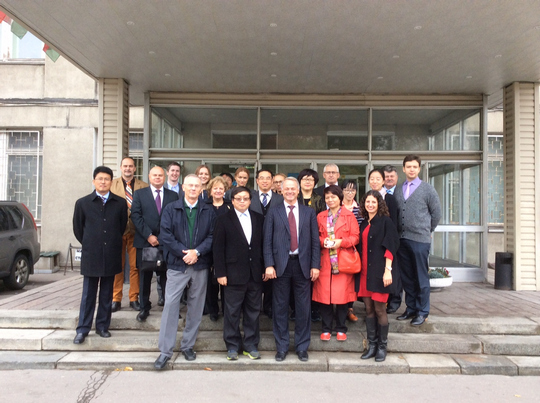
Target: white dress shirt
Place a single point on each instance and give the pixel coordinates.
(245, 222)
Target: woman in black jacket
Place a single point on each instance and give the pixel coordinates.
(379, 241)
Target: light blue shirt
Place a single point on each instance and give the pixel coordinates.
(175, 188)
(106, 197)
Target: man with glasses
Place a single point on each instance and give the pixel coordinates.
(263, 200)
(278, 180)
(331, 176)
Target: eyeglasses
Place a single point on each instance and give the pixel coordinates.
(350, 190)
(308, 179)
(331, 172)
(241, 199)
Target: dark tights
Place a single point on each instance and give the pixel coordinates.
(376, 308)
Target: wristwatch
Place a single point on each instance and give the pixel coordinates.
(389, 268)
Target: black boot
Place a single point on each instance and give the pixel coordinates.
(371, 326)
(383, 342)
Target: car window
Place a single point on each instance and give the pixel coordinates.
(4, 220)
(16, 216)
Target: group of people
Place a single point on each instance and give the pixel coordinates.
(287, 245)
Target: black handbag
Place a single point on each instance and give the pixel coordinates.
(152, 260)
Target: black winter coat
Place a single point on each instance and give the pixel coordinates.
(382, 236)
(100, 228)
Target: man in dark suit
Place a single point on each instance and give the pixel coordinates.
(99, 222)
(292, 258)
(238, 266)
(148, 203)
(261, 201)
(331, 177)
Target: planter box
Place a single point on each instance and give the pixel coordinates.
(440, 282)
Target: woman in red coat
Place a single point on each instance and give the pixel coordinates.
(338, 229)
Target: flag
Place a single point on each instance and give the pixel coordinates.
(18, 29)
(2, 16)
(53, 54)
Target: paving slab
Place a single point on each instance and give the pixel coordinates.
(106, 360)
(29, 359)
(475, 325)
(511, 345)
(439, 364)
(127, 320)
(527, 365)
(479, 364)
(535, 319)
(430, 343)
(351, 362)
(33, 319)
(23, 339)
(124, 340)
(317, 362)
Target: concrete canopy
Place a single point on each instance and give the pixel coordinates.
(320, 46)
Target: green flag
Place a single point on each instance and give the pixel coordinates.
(18, 29)
(53, 54)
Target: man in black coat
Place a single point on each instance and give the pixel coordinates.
(99, 222)
(238, 266)
(331, 177)
(148, 203)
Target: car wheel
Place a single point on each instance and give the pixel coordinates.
(20, 271)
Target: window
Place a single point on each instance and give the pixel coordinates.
(135, 147)
(11, 47)
(21, 161)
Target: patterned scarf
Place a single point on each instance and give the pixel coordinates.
(330, 224)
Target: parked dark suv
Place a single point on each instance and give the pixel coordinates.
(19, 247)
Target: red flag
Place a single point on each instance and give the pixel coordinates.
(2, 16)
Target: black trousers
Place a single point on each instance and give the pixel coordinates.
(88, 303)
(212, 294)
(328, 316)
(292, 278)
(242, 299)
(145, 284)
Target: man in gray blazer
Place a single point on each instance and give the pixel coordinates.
(292, 258)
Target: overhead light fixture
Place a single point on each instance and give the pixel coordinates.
(151, 52)
(537, 27)
(130, 23)
(273, 75)
(395, 57)
(498, 56)
(468, 77)
(273, 54)
(273, 24)
(380, 78)
(418, 27)
(167, 75)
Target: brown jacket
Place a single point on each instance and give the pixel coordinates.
(117, 187)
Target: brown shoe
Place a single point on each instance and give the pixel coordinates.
(351, 317)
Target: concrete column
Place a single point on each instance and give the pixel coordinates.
(113, 122)
(522, 182)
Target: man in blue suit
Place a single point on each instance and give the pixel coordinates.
(292, 258)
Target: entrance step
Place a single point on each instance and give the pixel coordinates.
(126, 320)
(147, 341)
(395, 363)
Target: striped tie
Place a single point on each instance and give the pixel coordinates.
(129, 194)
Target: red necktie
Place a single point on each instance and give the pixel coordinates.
(292, 227)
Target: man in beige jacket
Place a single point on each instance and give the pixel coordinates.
(124, 187)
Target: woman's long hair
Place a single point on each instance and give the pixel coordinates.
(382, 209)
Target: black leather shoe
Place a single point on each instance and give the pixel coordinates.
(391, 309)
(79, 338)
(315, 316)
(280, 356)
(268, 313)
(189, 354)
(302, 355)
(161, 302)
(214, 317)
(419, 320)
(141, 316)
(161, 362)
(103, 333)
(116, 306)
(135, 305)
(406, 316)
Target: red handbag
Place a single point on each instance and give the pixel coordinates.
(349, 261)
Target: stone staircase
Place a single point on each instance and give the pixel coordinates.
(443, 345)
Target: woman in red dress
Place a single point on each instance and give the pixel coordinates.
(338, 229)
(379, 241)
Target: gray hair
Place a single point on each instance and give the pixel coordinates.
(292, 179)
(192, 176)
(330, 165)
